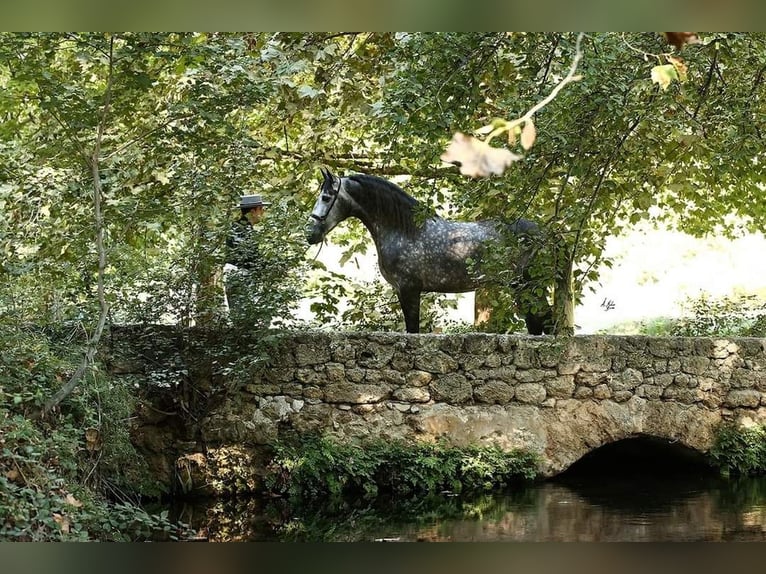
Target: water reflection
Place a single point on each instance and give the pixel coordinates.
(590, 508)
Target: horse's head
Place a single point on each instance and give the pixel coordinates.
(326, 213)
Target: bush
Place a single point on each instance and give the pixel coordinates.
(317, 467)
(741, 316)
(740, 451)
(74, 475)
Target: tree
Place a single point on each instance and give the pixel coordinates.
(615, 144)
(197, 118)
(124, 156)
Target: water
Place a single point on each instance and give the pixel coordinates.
(578, 507)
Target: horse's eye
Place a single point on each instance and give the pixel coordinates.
(326, 197)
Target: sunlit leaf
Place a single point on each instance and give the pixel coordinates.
(663, 75)
(680, 67)
(476, 158)
(528, 134)
(496, 124)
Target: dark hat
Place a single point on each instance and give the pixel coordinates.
(248, 201)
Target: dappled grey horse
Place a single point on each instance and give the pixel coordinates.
(433, 255)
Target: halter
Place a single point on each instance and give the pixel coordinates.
(333, 196)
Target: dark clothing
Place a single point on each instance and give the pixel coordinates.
(241, 245)
(242, 270)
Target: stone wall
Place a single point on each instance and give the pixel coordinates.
(560, 398)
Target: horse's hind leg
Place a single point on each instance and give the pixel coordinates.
(538, 314)
(537, 324)
(409, 299)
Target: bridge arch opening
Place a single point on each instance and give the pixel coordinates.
(640, 474)
(641, 455)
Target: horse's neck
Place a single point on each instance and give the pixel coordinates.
(381, 224)
(378, 228)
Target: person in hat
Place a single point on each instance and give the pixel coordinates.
(242, 261)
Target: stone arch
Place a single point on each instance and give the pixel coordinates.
(584, 426)
(641, 454)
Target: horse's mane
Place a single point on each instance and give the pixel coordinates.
(385, 200)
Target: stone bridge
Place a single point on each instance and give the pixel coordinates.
(561, 398)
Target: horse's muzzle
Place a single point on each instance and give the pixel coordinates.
(314, 231)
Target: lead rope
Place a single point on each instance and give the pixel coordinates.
(318, 250)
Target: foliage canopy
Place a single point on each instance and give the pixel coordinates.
(196, 119)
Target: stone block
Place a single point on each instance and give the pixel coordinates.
(401, 361)
(309, 377)
(451, 388)
(356, 393)
(438, 362)
(506, 374)
(695, 365)
(311, 354)
(530, 375)
(742, 398)
(526, 357)
(493, 392)
(279, 374)
(412, 394)
(591, 379)
(596, 365)
(292, 389)
(355, 375)
(602, 392)
(661, 347)
(335, 372)
(561, 387)
(392, 377)
(627, 380)
(530, 393)
(481, 344)
(342, 351)
(263, 389)
(664, 380)
(375, 355)
(650, 392)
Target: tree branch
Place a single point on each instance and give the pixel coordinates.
(569, 78)
(706, 85)
(602, 176)
(93, 341)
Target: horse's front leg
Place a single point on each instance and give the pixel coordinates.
(409, 299)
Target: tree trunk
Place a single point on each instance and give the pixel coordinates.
(482, 308)
(563, 301)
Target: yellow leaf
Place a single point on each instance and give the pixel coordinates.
(680, 67)
(62, 521)
(92, 439)
(528, 134)
(512, 133)
(161, 176)
(476, 158)
(496, 123)
(663, 75)
(72, 501)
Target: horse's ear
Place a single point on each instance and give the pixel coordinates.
(325, 173)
